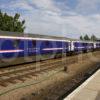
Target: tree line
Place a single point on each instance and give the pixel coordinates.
(86, 37)
(11, 23)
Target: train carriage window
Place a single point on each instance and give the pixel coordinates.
(83, 44)
(47, 43)
(34, 43)
(16, 43)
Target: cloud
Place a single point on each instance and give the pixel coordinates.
(16, 6)
(20, 5)
(87, 7)
(45, 5)
(84, 24)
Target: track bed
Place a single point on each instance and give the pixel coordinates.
(53, 87)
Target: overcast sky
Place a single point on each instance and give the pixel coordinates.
(69, 18)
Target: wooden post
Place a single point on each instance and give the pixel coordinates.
(65, 68)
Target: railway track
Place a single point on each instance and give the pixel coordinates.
(11, 77)
(21, 72)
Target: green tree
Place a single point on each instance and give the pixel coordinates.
(81, 38)
(93, 38)
(86, 37)
(10, 23)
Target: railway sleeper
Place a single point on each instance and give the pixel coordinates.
(28, 76)
(21, 79)
(4, 84)
(18, 78)
(12, 81)
(32, 74)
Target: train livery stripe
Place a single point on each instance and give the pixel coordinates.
(54, 49)
(84, 47)
(29, 38)
(10, 51)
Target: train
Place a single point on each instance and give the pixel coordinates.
(18, 48)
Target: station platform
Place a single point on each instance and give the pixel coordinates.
(89, 90)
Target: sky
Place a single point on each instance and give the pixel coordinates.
(67, 18)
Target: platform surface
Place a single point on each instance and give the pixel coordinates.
(89, 90)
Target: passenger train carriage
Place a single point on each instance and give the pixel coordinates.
(82, 46)
(18, 49)
(22, 49)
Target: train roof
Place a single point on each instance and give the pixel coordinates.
(6, 33)
(38, 36)
(31, 36)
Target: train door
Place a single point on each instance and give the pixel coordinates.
(16, 43)
(94, 45)
(72, 46)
